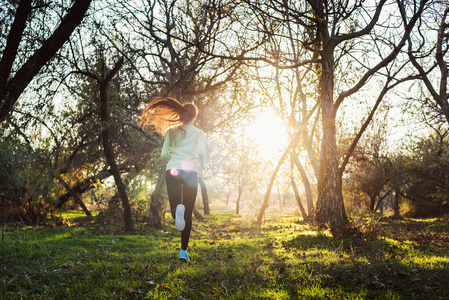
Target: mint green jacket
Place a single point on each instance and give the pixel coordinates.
(185, 150)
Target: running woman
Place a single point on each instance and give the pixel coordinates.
(184, 149)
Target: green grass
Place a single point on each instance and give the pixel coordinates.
(231, 259)
(76, 216)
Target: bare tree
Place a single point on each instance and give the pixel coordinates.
(169, 58)
(431, 62)
(337, 30)
(15, 76)
(330, 207)
(103, 80)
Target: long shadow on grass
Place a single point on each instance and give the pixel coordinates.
(229, 261)
(406, 270)
(90, 260)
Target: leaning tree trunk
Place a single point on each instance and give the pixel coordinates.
(11, 89)
(264, 206)
(205, 196)
(270, 186)
(295, 190)
(380, 200)
(306, 183)
(108, 149)
(155, 219)
(75, 196)
(330, 206)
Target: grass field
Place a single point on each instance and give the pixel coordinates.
(231, 258)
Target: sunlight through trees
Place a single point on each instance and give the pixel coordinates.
(294, 97)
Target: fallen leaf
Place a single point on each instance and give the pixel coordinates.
(149, 283)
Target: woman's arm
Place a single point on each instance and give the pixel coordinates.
(166, 153)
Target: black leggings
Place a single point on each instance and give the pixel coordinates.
(182, 185)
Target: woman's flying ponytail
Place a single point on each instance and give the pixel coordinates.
(165, 113)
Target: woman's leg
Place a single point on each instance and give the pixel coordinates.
(190, 189)
(174, 189)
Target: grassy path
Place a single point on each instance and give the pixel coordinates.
(231, 259)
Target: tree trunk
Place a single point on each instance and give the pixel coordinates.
(228, 195)
(108, 149)
(379, 201)
(83, 186)
(197, 213)
(290, 146)
(155, 219)
(11, 91)
(372, 201)
(205, 196)
(295, 190)
(279, 198)
(270, 185)
(306, 183)
(330, 206)
(75, 196)
(395, 204)
(12, 43)
(239, 196)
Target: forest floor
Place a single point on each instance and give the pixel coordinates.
(231, 258)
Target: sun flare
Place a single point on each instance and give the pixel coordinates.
(269, 134)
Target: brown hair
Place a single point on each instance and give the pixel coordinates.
(165, 113)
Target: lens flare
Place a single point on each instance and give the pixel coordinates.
(175, 172)
(187, 165)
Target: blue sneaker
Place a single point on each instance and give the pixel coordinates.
(183, 255)
(179, 217)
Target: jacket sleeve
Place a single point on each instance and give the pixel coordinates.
(166, 153)
(201, 149)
